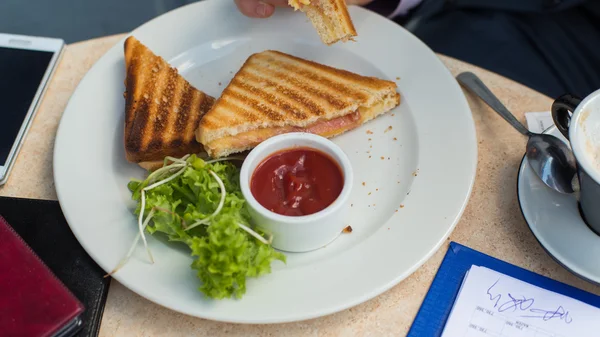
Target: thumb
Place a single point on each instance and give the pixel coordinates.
(255, 8)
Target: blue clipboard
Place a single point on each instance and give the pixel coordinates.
(438, 302)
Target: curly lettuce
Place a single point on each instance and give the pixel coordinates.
(184, 201)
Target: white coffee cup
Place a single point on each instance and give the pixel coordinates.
(579, 121)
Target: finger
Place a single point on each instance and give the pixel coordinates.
(255, 8)
(277, 3)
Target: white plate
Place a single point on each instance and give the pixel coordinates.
(432, 133)
(555, 221)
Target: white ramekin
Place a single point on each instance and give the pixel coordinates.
(298, 233)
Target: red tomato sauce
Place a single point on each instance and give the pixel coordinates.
(297, 182)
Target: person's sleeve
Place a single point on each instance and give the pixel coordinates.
(403, 7)
(383, 7)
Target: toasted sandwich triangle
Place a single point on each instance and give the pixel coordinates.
(330, 18)
(276, 93)
(162, 109)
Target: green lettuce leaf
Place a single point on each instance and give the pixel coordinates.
(225, 254)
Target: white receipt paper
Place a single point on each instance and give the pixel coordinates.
(493, 304)
(538, 122)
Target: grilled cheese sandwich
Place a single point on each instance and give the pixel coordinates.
(162, 109)
(275, 93)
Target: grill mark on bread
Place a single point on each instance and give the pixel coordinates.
(130, 86)
(192, 123)
(207, 103)
(184, 109)
(158, 79)
(256, 105)
(176, 143)
(272, 99)
(142, 116)
(294, 94)
(176, 88)
(164, 108)
(339, 74)
(314, 88)
(142, 111)
(131, 105)
(221, 109)
(207, 123)
(134, 143)
(335, 86)
(154, 145)
(330, 99)
(240, 112)
(299, 87)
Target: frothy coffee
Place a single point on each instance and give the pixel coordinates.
(589, 132)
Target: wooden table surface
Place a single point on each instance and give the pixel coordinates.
(492, 222)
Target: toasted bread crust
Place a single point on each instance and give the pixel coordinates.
(331, 19)
(162, 109)
(274, 89)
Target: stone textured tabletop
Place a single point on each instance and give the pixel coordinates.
(492, 222)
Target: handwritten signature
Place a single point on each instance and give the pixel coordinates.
(523, 304)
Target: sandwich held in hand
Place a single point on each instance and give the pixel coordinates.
(275, 93)
(162, 109)
(329, 17)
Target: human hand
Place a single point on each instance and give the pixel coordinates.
(266, 8)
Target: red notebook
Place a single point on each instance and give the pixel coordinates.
(33, 302)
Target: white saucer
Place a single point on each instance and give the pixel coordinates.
(555, 221)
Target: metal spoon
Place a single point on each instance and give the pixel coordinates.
(549, 157)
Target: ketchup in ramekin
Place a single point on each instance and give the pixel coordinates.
(297, 188)
(297, 182)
